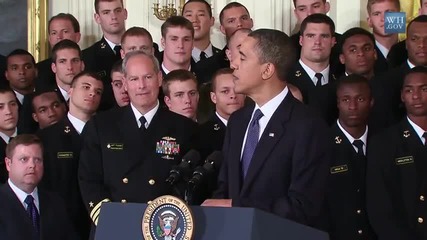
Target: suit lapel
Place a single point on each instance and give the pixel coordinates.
(346, 155)
(409, 174)
(419, 151)
(131, 137)
(16, 204)
(238, 132)
(271, 136)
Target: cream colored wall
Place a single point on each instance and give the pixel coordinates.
(276, 14)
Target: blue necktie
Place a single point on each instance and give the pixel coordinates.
(33, 213)
(251, 141)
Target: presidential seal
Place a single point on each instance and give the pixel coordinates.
(167, 218)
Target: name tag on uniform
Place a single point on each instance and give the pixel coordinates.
(339, 169)
(64, 154)
(404, 160)
(115, 146)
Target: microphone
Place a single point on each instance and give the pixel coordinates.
(212, 164)
(189, 161)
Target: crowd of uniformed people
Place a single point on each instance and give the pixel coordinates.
(325, 129)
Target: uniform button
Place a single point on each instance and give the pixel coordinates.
(124, 201)
(420, 220)
(359, 211)
(125, 180)
(151, 182)
(358, 190)
(360, 232)
(422, 198)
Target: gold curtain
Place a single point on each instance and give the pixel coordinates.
(411, 8)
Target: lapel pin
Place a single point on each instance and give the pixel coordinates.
(298, 73)
(216, 127)
(271, 134)
(103, 45)
(67, 129)
(406, 134)
(338, 140)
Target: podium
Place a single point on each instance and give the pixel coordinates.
(124, 221)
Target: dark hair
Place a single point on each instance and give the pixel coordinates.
(353, 32)
(85, 73)
(177, 21)
(228, 6)
(372, 2)
(65, 44)
(6, 89)
(98, 1)
(208, 6)
(275, 47)
(137, 31)
(68, 17)
(414, 70)
(40, 92)
(117, 67)
(220, 72)
(19, 52)
(180, 75)
(352, 79)
(295, 2)
(318, 18)
(420, 18)
(22, 139)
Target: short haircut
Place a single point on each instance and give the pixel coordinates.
(420, 18)
(415, 70)
(295, 2)
(65, 44)
(19, 52)
(6, 89)
(243, 30)
(96, 5)
(228, 6)
(275, 47)
(318, 18)
(22, 139)
(68, 17)
(218, 73)
(136, 32)
(83, 74)
(180, 75)
(208, 6)
(353, 32)
(117, 67)
(372, 2)
(138, 53)
(177, 21)
(40, 92)
(352, 79)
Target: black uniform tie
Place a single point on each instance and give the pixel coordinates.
(319, 77)
(202, 55)
(142, 120)
(359, 145)
(117, 49)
